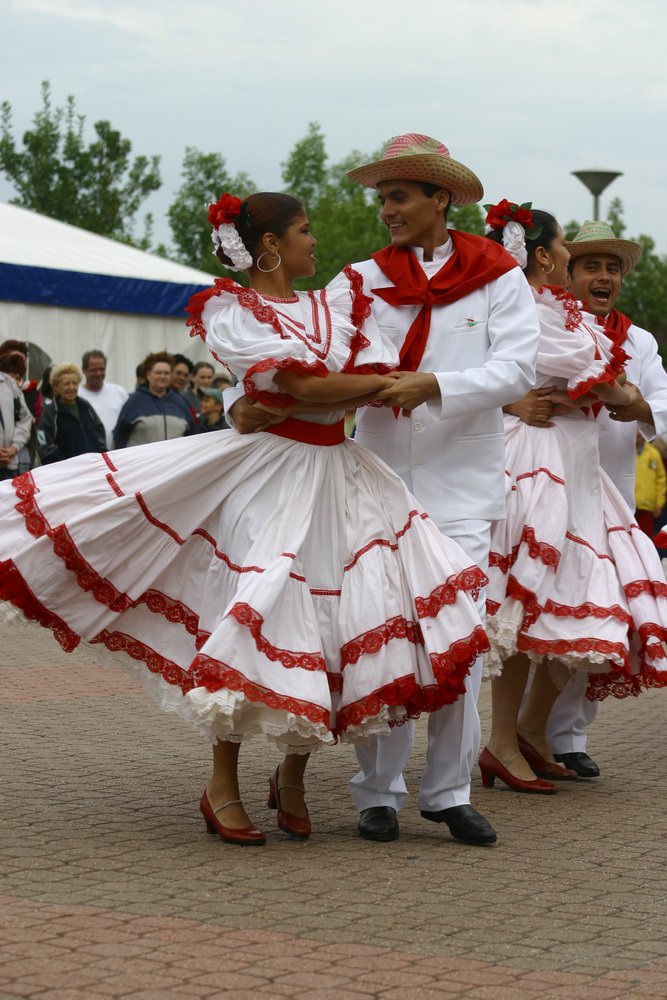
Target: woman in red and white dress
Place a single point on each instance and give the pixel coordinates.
(302, 594)
(574, 585)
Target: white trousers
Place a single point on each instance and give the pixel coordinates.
(570, 717)
(453, 731)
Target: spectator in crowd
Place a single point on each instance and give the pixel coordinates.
(45, 386)
(13, 363)
(106, 398)
(154, 412)
(15, 420)
(222, 381)
(68, 425)
(202, 377)
(211, 415)
(140, 374)
(650, 485)
(180, 373)
(30, 389)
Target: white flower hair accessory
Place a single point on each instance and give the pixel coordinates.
(514, 241)
(225, 235)
(516, 221)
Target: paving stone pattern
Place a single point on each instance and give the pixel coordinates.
(111, 887)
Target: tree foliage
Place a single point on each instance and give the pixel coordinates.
(204, 178)
(96, 186)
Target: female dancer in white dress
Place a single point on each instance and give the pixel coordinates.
(299, 591)
(574, 584)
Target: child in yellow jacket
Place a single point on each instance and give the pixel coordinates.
(650, 485)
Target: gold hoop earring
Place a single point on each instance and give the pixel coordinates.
(544, 270)
(268, 270)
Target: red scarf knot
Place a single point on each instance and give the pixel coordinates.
(476, 261)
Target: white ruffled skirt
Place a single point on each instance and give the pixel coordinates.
(258, 584)
(572, 577)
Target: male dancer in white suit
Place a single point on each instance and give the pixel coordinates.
(465, 324)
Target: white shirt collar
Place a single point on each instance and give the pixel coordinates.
(440, 253)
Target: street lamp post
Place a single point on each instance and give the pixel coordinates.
(596, 181)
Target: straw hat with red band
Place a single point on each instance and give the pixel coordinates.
(599, 237)
(415, 157)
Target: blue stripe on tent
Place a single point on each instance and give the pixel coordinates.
(77, 290)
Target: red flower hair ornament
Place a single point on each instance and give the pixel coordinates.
(225, 235)
(516, 222)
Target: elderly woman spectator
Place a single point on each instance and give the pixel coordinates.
(68, 425)
(154, 412)
(15, 418)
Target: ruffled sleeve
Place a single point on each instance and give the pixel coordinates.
(570, 348)
(368, 351)
(247, 335)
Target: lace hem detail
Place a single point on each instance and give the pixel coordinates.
(450, 670)
(209, 676)
(546, 553)
(253, 621)
(601, 686)
(655, 588)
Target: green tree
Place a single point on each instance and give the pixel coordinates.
(305, 172)
(467, 218)
(204, 178)
(96, 186)
(343, 215)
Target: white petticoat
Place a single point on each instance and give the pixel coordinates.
(258, 584)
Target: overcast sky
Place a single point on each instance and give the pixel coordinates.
(522, 91)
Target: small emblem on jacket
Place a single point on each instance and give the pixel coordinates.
(470, 322)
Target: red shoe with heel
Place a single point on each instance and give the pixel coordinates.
(296, 826)
(492, 768)
(545, 768)
(247, 836)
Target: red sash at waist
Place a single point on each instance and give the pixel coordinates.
(310, 433)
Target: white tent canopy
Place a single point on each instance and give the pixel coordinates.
(68, 290)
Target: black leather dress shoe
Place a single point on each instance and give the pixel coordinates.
(465, 824)
(580, 762)
(378, 823)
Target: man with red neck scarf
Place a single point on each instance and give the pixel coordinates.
(460, 312)
(599, 261)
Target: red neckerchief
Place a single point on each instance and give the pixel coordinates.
(616, 326)
(475, 262)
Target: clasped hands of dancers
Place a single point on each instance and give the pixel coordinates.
(308, 596)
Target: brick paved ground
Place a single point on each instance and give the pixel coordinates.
(111, 888)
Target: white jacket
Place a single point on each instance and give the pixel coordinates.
(482, 348)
